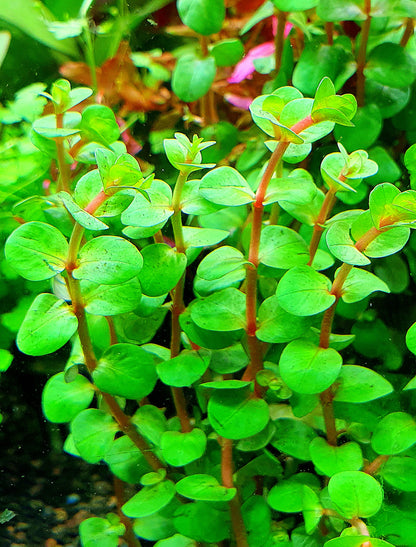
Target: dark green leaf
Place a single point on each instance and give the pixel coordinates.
(227, 52)
(389, 63)
(201, 522)
(293, 437)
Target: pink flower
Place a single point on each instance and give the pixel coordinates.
(238, 100)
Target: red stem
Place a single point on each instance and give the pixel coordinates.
(319, 226)
(361, 57)
(279, 39)
(408, 31)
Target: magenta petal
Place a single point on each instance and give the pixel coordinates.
(238, 100)
(245, 68)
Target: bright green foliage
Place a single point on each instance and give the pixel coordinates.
(93, 432)
(357, 384)
(193, 77)
(361, 283)
(126, 461)
(127, 371)
(47, 326)
(286, 496)
(111, 299)
(225, 186)
(37, 251)
(162, 269)
(277, 325)
(281, 247)
(202, 521)
(355, 494)
(182, 448)
(330, 460)
(62, 400)
(395, 433)
(204, 488)
(104, 531)
(185, 369)
(227, 52)
(150, 499)
(202, 16)
(293, 437)
(222, 311)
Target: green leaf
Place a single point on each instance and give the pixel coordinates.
(411, 339)
(162, 269)
(330, 460)
(395, 433)
(192, 77)
(295, 5)
(202, 16)
(400, 472)
(111, 299)
(126, 461)
(341, 245)
(257, 520)
(355, 494)
(307, 368)
(127, 371)
(204, 488)
(48, 325)
(303, 291)
(281, 247)
(179, 449)
(151, 423)
(222, 311)
(359, 385)
(98, 530)
(359, 284)
(62, 401)
(36, 251)
(277, 325)
(312, 509)
(234, 415)
(286, 495)
(388, 63)
(227, 360)
(6, 359)
(93, 432)
(341, 10)
(367, 127)
(227, 52)
(177, 540)
(381, 202)
(47, 125)
(299, 109)
(153, 211)
(108, 260)
(356, 541)
(201, 521)
(225, 186)
(389, 100)
(98, 124)
(293, 437)
(87, 221)
(185, 369)
(157, 526)
(202, 237)
(149, 500)
(220, 262)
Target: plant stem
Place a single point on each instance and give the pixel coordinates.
(374, 466)
(329, 29)
(408, 31)
(279, 38)
(237, 522)
(319, 225)
(129, 535)
(361, 57)
(63, 180)
(326, 398)
(177, 301)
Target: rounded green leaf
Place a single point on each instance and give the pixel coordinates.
(162, 269)
(204, 488)
(179, 449)
(149, 500)
(225, 186)
(222, 311)
(234, 415)
(99, 124)
(411, 338)
(36, 251)
(108, 260)
(341, 245)
(220, 262)
(87, 221)
(201, 521)
(193, 77)
(126, 370)
(155, 527)
(295, 5)
(395, 433)
(281, 247)
(62, 401)
(390, 63)
(293, 437)
(47, 125)
(286, 495)
(228, 52)
(303, 291)
(99, 531)
(202, 237)
(367, 127)
(400, 472)
(355, 494)
(149, 212)
(93, 432)
(330, 460)
(359, 385)
(203, 16)
(48, 325)
(307, 368)
(356, 541)
(185, 369)
(361, 283)
(277, 325)
(111, 299)
(126, 461)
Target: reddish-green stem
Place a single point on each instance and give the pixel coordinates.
(279, 38)
(63, 180)
(237, 522)
(329, 29)
(361, 57)
(129, 535)
(374, 466)
(408, 31)
(326, 398)
(319, 226)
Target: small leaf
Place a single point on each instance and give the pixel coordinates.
(108, 260)
(303, 291)
(111, 299)
(227, 52)
(220, 262)
(286, 495)
(127, 371)
(192, 77)
(93, 432)
(204, 488)
(222, 311)
(126, 461)
(293, 437)
(162, 269)
(400, 472)
(307, 368)
(87, 221)
(342, 246)
(179, 449)
(202, 237)
(48, 325)
(153, 211)
(283, 248)
(359, 284)
(355, 494)
(62, 401)
(359, 385)
(149, 500)
(99, 124)
(47, 125)
(225, 186)
(330, 460)
(277, 325)
(395, 433)
(36, 251)
(185, 369)
(96, 530)
(202, 16)
(202, 522)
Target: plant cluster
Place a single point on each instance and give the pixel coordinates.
(275, 255)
